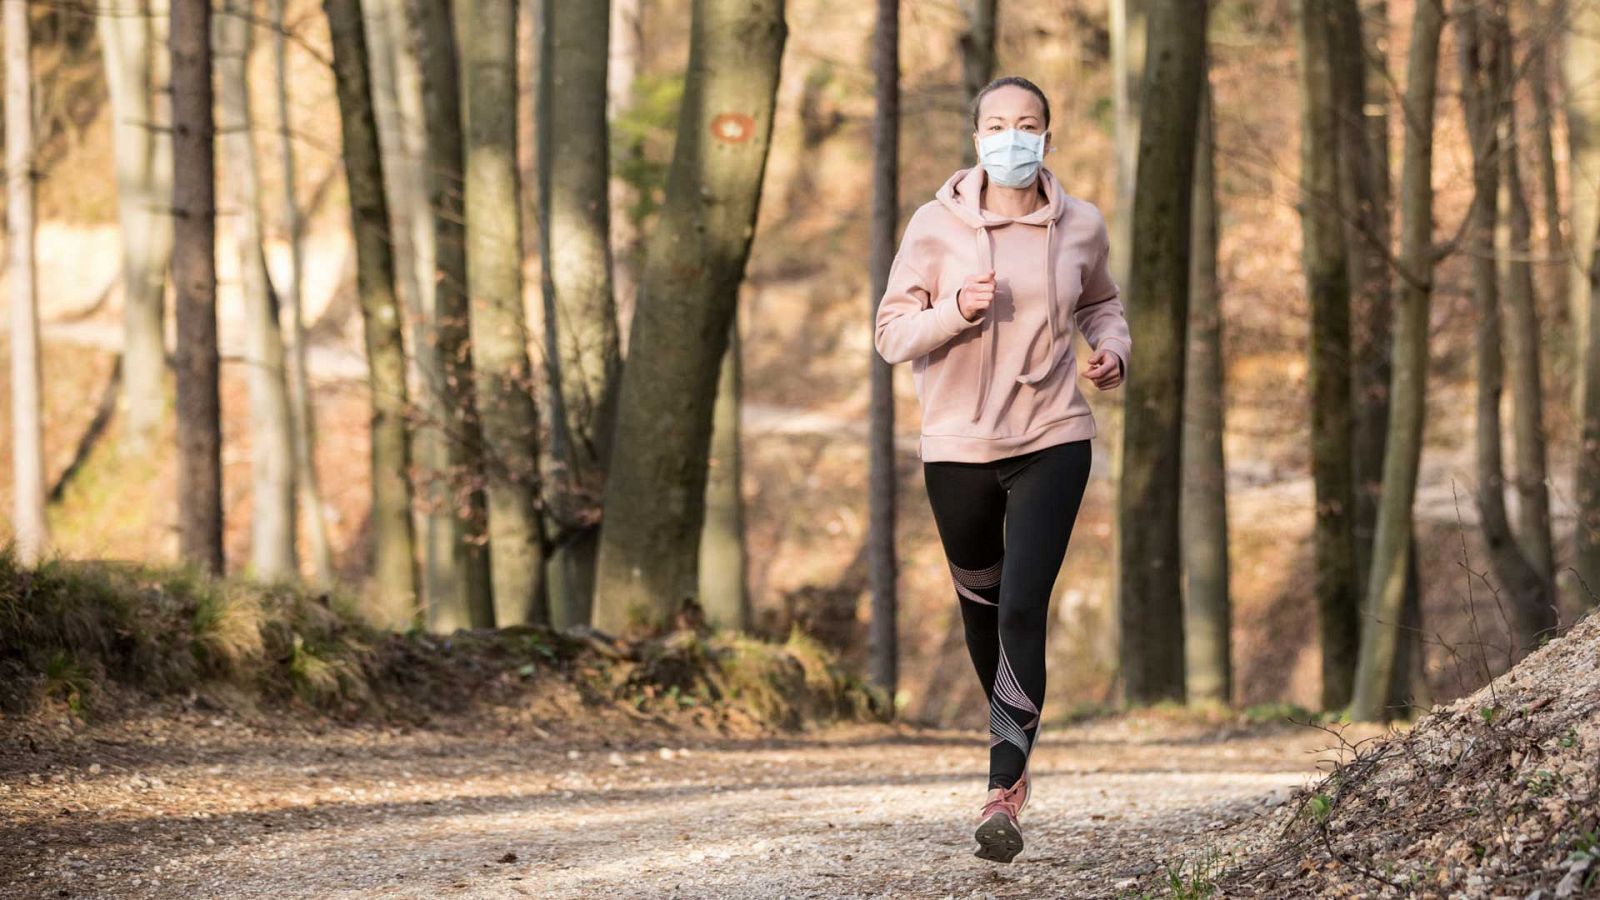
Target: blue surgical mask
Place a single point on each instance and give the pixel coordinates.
(1011, 157)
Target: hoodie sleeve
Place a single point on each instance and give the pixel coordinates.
(1099, 314)
(909, 322)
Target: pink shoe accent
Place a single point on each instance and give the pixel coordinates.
(1010, 800)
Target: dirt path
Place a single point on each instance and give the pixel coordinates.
(195, 807)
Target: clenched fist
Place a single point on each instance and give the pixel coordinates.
(976, 293)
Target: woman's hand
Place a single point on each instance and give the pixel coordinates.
(976, 293)
(1105, 370)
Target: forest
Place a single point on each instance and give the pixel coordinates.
(458, 425)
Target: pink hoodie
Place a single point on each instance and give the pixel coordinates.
(1007, 382)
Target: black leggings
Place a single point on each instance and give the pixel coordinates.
(1005, 525)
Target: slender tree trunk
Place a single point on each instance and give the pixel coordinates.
(1207, 610)
(272, 523)
(194, 273)
(30, 533)
(1544, 113)
(1514, 248)
(655, 494)
(486, 32)
(722, 554)
(626, 58)
(1361, 96)
(132, 37)
(1150, 596)
(1386, 588)
(582, 354)
(1581, 68)
(1129, 33)
(977, 53)
(307, 484)
(394, 566)
(400, 176)
(882, 561)
(1327, 272)
(1483, 93)
(460, 593)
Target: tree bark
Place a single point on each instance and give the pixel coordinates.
(394, 567)
(1544, 113)
(582, 354)
(486, 32)
(722, 552)
(1327, 275)
(132, 37)
(272, 454)
(459, 580)
(977, 53)
(655, 495)
(1581, 69)
(30, 532)
(1207, 610)
(1150, 596)
(194, 274)
(882, 561)
(627, 56)
(307, 484)
(1386, 588)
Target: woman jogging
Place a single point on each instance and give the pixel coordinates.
(991, 279)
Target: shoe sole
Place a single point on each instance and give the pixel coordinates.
(999, 839)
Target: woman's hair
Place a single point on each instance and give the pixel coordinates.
(1010, 81)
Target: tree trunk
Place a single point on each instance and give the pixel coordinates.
(303, 427)
(401, 177)
(1207, 614)
(30, 533)
(977, 53)
(1544, 113)
(1514, 250)
(1361, 96)
(582, 356)
(655, 495)
(1581, 66)
(1129, 33)
(272, 523)
(394, 567)
(486, 32)
(1327, 275)
(459, 582)
(1150, 596)
(1386, 587)
(882, 561)
(132, 37)
(1483, 93)
(722, 555)
(194, 274)
(627, 56)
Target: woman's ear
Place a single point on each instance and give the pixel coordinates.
(1049, 140)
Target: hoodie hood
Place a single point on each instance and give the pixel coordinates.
(960, 194)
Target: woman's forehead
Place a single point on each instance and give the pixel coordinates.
(1010, 102)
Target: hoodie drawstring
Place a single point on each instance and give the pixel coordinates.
(986, 351)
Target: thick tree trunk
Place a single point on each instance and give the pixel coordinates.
(272, 512)
(132, 37)
(1581, 68)
(582, 355)
(394, 567)
(30, 533)
(486, 32)
(882, 561)
(654, 500)
(194, 274)
(1150, 596)
(307, 484)
(1207, 609)
(722, 554)
(1386, 588)
(1328, 294)
(460, 593)
(977, 53)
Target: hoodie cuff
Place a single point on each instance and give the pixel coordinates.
(948, 314)
(1120, 349)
